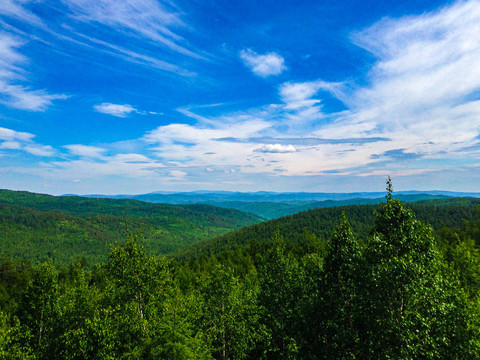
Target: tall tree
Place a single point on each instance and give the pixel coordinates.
(39, 311)
(339, 304)
(282, 297)
(410, 308)
(229, 316)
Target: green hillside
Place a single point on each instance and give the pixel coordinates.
(272, 210)
(37, 226)
(448, 213)
(401, 292)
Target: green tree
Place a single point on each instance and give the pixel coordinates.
(229, 315)
(282, 297)
(13, 340)
(339, 303)
(410, 308)
(40, 313)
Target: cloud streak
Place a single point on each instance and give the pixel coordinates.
(12, 71)
(115, 109)
(150, 19)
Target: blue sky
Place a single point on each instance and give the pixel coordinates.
(136, 96)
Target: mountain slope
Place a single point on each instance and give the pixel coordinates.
(273, 210)
(37, 226)
(321, 222)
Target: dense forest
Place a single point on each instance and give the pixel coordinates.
(39, 227)
(390, 289)
(445, 216)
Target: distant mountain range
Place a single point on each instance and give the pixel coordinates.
(270, 205)
(195, 197)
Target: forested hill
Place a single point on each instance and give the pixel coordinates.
(271, 205)
(444, 215)
(398, 294)
(38, 227)
(273, 210)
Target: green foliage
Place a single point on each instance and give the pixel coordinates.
(339, 305)
(453, 214)
(41, 227)
(40, 311)
(380, 288)
(229, 315)
(282, 293)
(13, 340)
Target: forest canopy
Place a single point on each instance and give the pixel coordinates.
(397, 294)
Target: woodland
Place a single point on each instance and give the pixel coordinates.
(386, 281)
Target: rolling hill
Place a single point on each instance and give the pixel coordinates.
(271, 205)
(38, 227)
(448, 213)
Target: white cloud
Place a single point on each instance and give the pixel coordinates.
(263, 65)
(299, 95)
(136, 21)
(422, 91)
(122, 165)
(134, 57)
(39, 150)
(177, 174)
(85, 151)
(15, 9)
(115, 109)
(420, 98)
(11, 145)
(10, 135)
(276, 148)
(12, 71)
(11, 59)
(24, 98)
(16, 140)
(151, 19)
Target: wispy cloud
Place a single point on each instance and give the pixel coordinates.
(16, 140)
(85, 150)
(417, 107)
(15, 9)
(12, 135)
(421, 90)
(115, 109)
(263, 65)
(177, 175)
(129, 55)
(12, 71)
(143, 32)
(39, 150)
(129, 165)
(151, 19)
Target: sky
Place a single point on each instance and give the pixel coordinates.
(136, 96)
